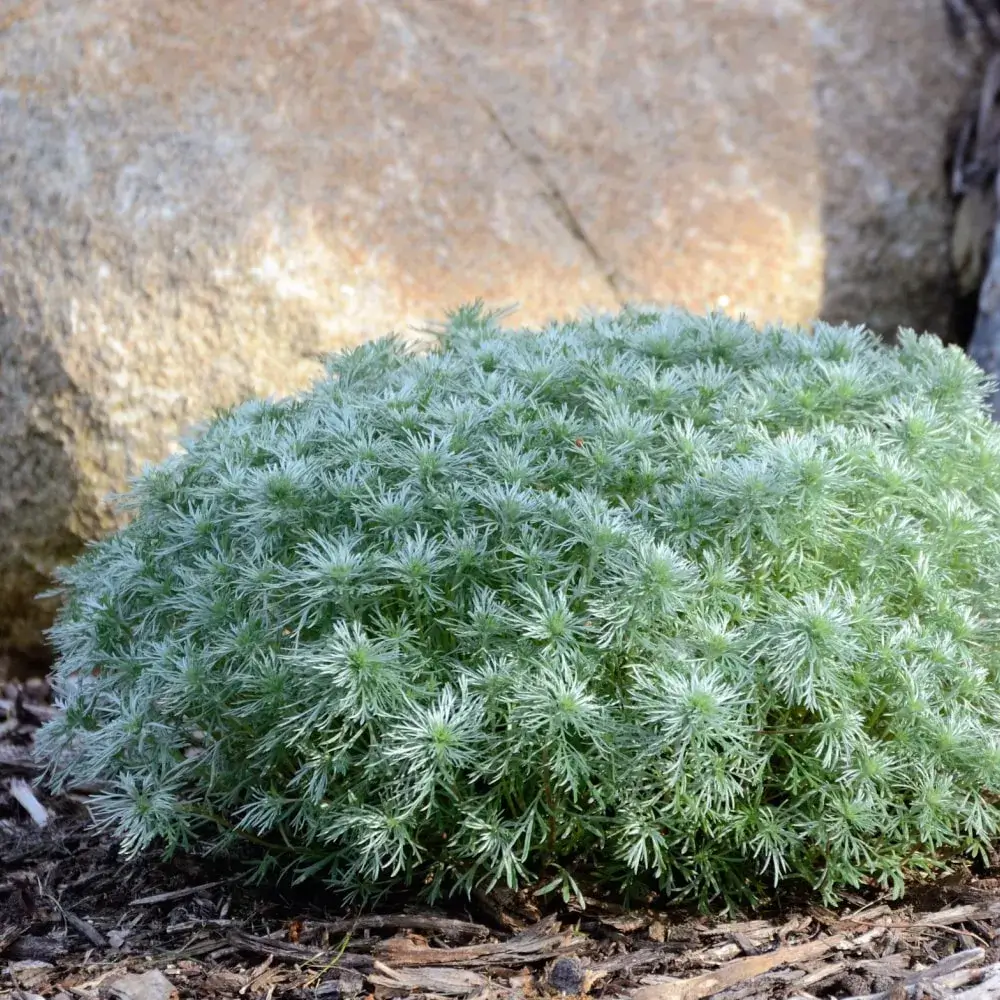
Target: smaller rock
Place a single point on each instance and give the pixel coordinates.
(567, 976)
(152, 985)
(116, 938)
(853, 984)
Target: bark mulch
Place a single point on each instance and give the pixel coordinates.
(77, 923)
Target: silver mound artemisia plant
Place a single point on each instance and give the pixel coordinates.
(649, 597)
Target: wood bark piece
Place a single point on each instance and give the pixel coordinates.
(38, 713)
(169, 897)
(288, 952)
(28, 801)
(965, 976)
(544, 941)
(823, 972)
(429, 923)
(443, 982)
(939, 971)
(738, 971)
(91, 933)
(947, 985)
(989, 989)
(957, 915)
(747, 927)
(632, 961)
(945, 988)
(152, 985)
(951, 963)
(939, 919)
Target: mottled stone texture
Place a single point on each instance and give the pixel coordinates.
(198, 197)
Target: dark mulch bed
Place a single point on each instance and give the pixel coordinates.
(77, 923)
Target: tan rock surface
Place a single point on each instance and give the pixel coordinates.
(198, 197)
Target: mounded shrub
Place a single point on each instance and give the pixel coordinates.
(650, 597)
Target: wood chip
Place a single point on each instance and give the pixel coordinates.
(300, 954)
(168, 897)
(715, 955)
(794, 925)
(951, 963)
(747, 946)
(915, 980)
(771, 984)
(963, 977)
(443, 982)
(544, 941)
(989, 989)
(739, 971)
(895, 966)
(751, 928)
(152, 985)
(40, 713)
(13, 761)
(627, 923)
(30, 974)
(869, 915)
(818, 975)
(91, 933)
(863, 940)
(632, 961)
(26, 798)
(427, 922)
(957, 915)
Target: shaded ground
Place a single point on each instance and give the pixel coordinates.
(74, 921)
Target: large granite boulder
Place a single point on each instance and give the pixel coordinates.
(197, 198)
